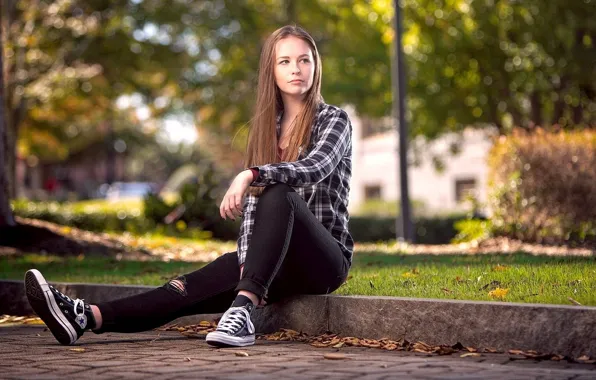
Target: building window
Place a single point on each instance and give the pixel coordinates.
(464, 188)
(372, 192)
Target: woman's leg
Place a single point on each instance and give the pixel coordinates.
(309, 260)
(207, 290)
(290, 252)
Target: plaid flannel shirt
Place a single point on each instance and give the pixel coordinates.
(321, 176)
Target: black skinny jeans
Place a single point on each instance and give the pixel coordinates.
(290, 253)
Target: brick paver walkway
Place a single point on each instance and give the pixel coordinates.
(31, 352)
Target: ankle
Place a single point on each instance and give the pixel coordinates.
(250, 295)
(97, 317)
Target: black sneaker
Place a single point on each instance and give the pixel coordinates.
(66, 318)
(234, 328)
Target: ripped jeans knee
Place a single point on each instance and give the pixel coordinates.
(177, 285)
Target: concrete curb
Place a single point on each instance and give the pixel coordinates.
(566, 330)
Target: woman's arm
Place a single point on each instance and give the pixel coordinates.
(332, 140)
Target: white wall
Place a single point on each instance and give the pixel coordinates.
(375, 162)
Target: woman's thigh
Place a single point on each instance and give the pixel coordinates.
(314, 263)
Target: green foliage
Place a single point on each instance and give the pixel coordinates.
(195, 205)
(383, 208)
(95, 216)
(469, 230)
(543, 186)
(435, 230)
(102, 216)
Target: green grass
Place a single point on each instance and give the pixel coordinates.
(530, 279)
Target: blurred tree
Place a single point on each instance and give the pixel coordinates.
(69, 60)
(503, 63)
(6, 217)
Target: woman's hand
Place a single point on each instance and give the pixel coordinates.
(231, 205)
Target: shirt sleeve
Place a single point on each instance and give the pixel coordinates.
(332, 140)
(246, 227)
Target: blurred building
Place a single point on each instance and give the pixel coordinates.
(77, 177)
(375, 167)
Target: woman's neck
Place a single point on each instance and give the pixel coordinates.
(292, 108)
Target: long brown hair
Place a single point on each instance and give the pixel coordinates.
(262, 138)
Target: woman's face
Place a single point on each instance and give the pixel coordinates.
(294, 66)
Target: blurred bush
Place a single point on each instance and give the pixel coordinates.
(194, 205)
(383, 208)
(543, 186)
(431, 230)
(472, 230)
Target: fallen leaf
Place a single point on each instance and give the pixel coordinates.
(241, 353)
(446, 290)
(77, 349)
(473, 354)
(516, 352)
(339, 345)
(500, 268)
(498, 293)
(574, 301)
(187, 359)
(471, 349)
(332, 356)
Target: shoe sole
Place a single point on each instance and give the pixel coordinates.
(44, 304)
(219, 339)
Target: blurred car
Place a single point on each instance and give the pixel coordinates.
(130, 190)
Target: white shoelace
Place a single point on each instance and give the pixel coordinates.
(234, 319)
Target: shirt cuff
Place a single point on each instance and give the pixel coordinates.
(255, 174)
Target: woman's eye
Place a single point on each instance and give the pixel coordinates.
(306, 60)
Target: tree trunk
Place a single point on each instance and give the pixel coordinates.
(6, 217)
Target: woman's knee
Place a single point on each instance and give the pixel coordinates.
(275, 193)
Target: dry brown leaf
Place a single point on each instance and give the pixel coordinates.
(319, 344)
(371, 343)
(471, 349)
(557, 357)
(241, 353)
(205, 324)
(351, 341)
(491, 350)
(390, 347)
(77, 349)
(339, 345)
(516, 352)
(446, 290)
(470, 354)
(333, 356)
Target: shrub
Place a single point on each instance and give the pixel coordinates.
(383, 208)
(472, 230)
(194, 203)
(543, 186)
(435, 230)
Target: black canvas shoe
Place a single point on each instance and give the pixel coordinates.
(66, 318)
(234, 328)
